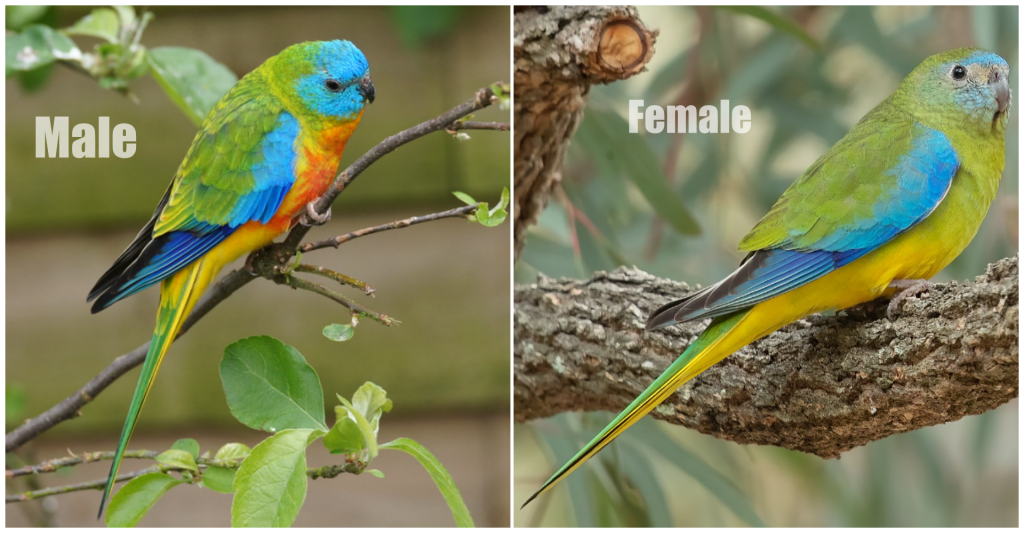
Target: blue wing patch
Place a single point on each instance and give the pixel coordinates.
(166, 255)
(922, 177)
(273, 176)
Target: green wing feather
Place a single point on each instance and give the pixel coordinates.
(217, 173)
(839, 191)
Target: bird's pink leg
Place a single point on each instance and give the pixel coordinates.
(907, 287)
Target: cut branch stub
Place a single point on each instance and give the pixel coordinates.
(560, 51)
(623, 50)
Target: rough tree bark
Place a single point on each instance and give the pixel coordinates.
(559, 53)
(822, 385)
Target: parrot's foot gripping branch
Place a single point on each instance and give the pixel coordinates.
(312, 218)
(907, 287)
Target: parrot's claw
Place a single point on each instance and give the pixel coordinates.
(312, 218)
(907, 287)
(249, 266)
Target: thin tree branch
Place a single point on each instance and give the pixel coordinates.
(96, 484)
(470, 125)
(336, 276)
(90, 457)
(823, 385)
(334, 242)
(299, 283)
(324, 472)
(277, 253)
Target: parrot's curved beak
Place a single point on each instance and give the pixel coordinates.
(998, 80)
(366, 88)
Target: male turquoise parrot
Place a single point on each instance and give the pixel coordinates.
(887, 207)
(266, 151)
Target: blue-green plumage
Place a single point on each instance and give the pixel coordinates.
(269, 148)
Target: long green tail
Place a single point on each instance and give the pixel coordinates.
(697, 358)
(177, 297)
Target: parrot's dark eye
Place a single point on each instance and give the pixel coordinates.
(332, 85)
(959, 72)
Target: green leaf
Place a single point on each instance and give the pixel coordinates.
(777, 21)
(369, 435)
(372, 401)
(187, 445)
(670, 76)
(126, 14)
(17, 17)
(858, 26)
(232, 451)
(38, 46)
(178, 459)
(270, 486)
(219, 479)
(498, 214)
(102, 23)
(591, 252)
(506, 197)
(441, 478)
(339, 332)
(136, 497)
(467, 199)
(649, 434)
(33, 80)
(345, 436)
(416, 24)
(641, 473)
(270, 387)
(495, 218)
(375, 473)
(193, 80)
(985, 23)
(14, 402)
(486, 216)
(761, 70)
(612, 143)
(564, 445)
(483, 215)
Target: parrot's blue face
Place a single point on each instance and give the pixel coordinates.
(340, 84)
(981, 84)
(973, 84)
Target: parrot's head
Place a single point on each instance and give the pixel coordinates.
(325, 78)
(966, 86)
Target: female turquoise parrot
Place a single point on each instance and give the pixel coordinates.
(266, 151)
(890, 205)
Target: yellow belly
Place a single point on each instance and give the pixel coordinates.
(919, 253)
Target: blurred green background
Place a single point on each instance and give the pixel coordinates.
(446, 366)
(808, 74)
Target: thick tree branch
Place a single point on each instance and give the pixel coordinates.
(822, 385)
(264, 261)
